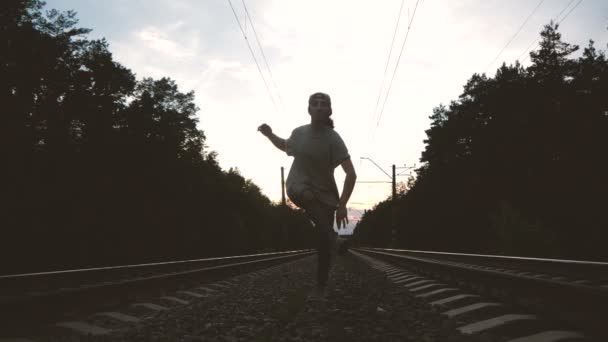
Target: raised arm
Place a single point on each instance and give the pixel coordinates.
(276, 141)
(347, 190)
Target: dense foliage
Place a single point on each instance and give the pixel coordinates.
(517, 165)
(100, 168)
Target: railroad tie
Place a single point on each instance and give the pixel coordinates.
(192, 294)
(480, 326)
(393, 271)
(84, 328)
(119, 316)
(150, 306)
(539, 275)
(407, 279)
(468, 308)
(414, 277)
(419, 282)
(434, 292)
(453, 299)
(176, 300)
(549, 336)
(427, 286)
(399, 277)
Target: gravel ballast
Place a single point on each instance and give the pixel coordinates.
(361, 305)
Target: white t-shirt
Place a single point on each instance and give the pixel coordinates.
(316, 152)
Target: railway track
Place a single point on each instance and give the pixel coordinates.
(508, 298)
(34, 303)
(524, 299)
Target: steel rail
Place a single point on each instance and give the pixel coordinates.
(593, 271)
(491, 256)
(33, 310)
(107, 268)
(576, 304)
(43, 282)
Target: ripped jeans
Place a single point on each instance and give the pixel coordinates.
(322, 216)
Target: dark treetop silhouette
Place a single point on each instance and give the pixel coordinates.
(516, 165)
(104, 169)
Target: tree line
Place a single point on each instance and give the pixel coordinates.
(516, 165)
(101, 168)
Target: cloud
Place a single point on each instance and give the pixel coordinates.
(156, 39)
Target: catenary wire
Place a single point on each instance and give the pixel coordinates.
(515, 35)
(390, 51)
(263, 55)
(559, 22)
(397, 65)
(253, 55)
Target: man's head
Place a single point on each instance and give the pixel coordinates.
(319, 107)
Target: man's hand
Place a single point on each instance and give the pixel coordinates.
(276, 141)
(341, 216)
(265, 130)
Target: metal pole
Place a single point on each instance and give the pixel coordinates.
(286, 244)
(394, 183)
(283, 186)
(393, 209)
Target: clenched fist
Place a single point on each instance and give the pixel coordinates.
(265, 129)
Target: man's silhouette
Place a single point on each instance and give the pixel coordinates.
(317, 150)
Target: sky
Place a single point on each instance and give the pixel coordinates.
(340, 47)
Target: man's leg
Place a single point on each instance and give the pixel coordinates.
(322, 216)
(324, 256)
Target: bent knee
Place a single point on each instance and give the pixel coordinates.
(308, 196)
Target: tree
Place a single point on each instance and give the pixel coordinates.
(104, 169)
(515, 165)
(550, 62)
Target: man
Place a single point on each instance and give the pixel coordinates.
(317, 150)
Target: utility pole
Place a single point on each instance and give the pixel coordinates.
(282, 213)
(394, 196)
(394, 210)
(283, 186)
(394, 183)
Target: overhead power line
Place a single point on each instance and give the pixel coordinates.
(564, 9)
(388, 91)
(262, 51)
(390, 52)
(253, 55)
(515, 35)
(572, 9)
(559, 22)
